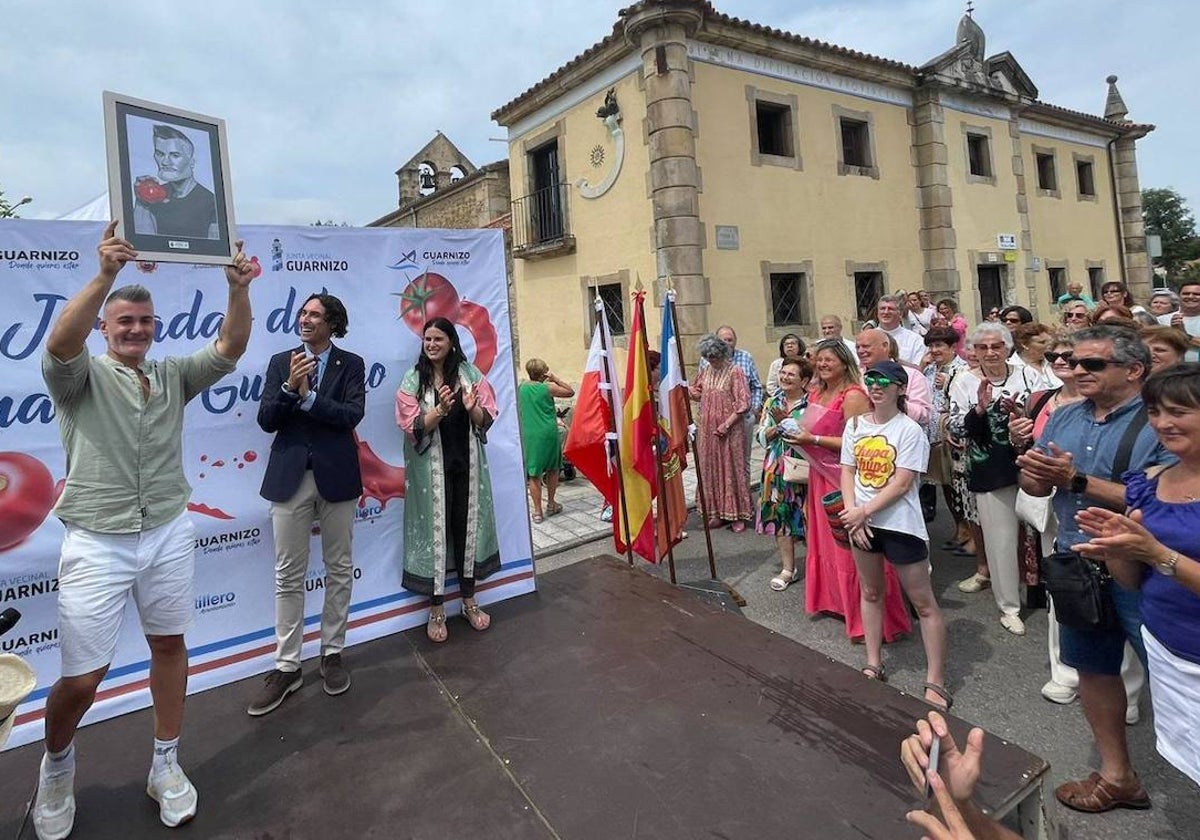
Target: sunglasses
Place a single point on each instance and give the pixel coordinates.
(1076, 316)
(872, 380)
(1054, 357)
(1094, 365)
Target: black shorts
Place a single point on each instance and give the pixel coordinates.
(899, 548)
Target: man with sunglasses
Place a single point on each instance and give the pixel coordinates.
(1187, 318)
(1076, 457)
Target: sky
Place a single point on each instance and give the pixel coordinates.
(325, 100)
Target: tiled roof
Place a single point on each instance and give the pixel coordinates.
(1141, 128)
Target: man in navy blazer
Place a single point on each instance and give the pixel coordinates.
(312, 399)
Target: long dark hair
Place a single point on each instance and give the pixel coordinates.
(449, 367)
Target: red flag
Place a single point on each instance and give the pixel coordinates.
(593, 423)
(639, 469)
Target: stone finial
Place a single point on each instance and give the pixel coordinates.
(972, 33)
(1114, 106)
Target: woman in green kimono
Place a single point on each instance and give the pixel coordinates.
(445, 406)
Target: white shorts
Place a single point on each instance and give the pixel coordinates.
(97, 573)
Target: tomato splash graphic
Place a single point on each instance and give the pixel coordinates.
(201, 508)
(381, 481)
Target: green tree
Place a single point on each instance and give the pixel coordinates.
(9, 210)
(1166, 213)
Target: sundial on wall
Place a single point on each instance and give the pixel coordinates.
(610, 114)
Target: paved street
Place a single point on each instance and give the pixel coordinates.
(994, 676)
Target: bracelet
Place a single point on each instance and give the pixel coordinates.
(817, 440)
(441, 412)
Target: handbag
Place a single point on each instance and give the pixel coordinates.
(1034, 510)
(795, 469)
(1080, 591)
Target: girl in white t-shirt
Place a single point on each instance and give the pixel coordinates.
(884, 454)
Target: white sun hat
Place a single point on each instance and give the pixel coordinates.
(17, 680)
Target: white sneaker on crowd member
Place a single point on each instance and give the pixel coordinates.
(54, 806)
(1013, 624)
(1132, 714)
(975, 583)
(1059, 693)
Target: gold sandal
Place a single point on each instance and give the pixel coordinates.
(435, 629)
(477, 618)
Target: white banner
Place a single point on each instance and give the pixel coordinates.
(379, 274)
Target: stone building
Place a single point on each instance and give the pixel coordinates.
(439, 187)
(774, 178)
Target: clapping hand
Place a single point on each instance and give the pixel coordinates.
(1055, 468)
(983, 397)
(445, 399)
(1115, 536)
(470, 398)
(1020, 429)
(302, 366)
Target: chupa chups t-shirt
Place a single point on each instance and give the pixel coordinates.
(876, 451)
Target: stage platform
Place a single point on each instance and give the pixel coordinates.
(607, 705)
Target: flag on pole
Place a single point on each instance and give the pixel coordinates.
(672, 384)
(636, 433)
(593, 424)
(673, 439)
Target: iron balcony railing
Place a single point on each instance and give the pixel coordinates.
(540, 218)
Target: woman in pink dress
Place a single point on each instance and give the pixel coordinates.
(831, 579)
(724, 400)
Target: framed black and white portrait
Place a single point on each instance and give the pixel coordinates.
(168, 181)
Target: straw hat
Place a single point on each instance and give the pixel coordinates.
(16, 681)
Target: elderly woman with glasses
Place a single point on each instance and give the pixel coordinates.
(724, 396)
(981, 402)
(1075, 316)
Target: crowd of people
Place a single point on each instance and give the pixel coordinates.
(1065, 450)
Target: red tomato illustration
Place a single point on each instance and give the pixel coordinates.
(26, 497)
(429, 296)
(149, 190)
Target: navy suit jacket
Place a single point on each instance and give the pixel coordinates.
(322, 437)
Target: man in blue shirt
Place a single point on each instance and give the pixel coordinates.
(1076, 456)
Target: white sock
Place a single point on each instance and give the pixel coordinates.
(165, 753)
(58, 763)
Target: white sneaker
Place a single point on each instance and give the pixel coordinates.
(175, 795)
(1059, 693)
(1132, 715)
(1013, 624)
(54, 807)
(975, 583)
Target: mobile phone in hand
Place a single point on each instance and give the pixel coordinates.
(935, 753)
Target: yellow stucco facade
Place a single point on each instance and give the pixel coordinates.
(755, 162)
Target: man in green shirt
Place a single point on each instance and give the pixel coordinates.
(124, 507)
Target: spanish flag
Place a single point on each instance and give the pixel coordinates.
(636, 434)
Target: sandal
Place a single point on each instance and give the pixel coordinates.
(538, 519)
(477, 618)
(875, 672)
(738, 527)
(1095, 795)
(940, 691)
(435, 629)
(784, 579)
(554, 509)
(714, 524)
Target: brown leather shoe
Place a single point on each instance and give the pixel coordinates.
(1095, 795)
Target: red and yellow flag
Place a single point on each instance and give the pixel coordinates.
(636, 437)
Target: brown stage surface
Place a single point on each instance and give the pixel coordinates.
(608, 705)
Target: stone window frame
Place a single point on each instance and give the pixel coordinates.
(1090, 160)
(589, 282)
(872, 169)
(1065, 265)
(1088, 267)
(808, 306)
(1037, 179)
(852, 268)
(985, 132)
(555, 133)
(756, 95)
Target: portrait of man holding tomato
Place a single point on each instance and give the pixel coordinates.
(172, 202)
(124, 509)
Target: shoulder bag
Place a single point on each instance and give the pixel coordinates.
(1078, 586)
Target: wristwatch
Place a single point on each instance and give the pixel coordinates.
(1167, 567)
(1079, 483)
